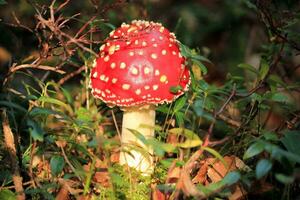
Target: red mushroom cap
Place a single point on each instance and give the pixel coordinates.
(138, 65)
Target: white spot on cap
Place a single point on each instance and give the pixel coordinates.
(179, 55)
(161, 29)
(134, 71)
(114, 80)
(106, 79)
(106, 58)
(147, 87)
(170, 45)
(131, 29)
(155, 45)
(111, 49)
(153, 40)
(146, 70)
(131, 53)
(163, 52)
(126, 86)
(144, 43)
(94, 63)
(117, 47)
(174, 53)
(138, 91)
(122, 65)
(112, 33)
(107, 91)
(163, 78)
(102, 47)
(128, 42)
(95, 74)
(156, 72)
(102, 77)
(160, 37)
(154, 56)
(103, 94)
(112, 65)
(155, 87)
(140, 52)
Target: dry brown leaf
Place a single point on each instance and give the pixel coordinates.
(102, 177)
(172, 139)
(217, 171)
(201, 174)
(63, 193)
(157, 194)
(114, 157)
(61, 143)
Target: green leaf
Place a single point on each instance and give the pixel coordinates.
(264, 69)
(291, 141)
(175, 89)
(232, 178)
(179, 103)
(279, 97)
(56, 102)
(248, 67)
(7, 194)
(262, 168)
(35, 130)
(201, 66)
(254, 149)
(180, 118)
(200, 58)
(276, 79)
(83, 114)
(270, 136)
(284, 178)
(192, 139)
(67, 95)
(39, 111)
(160, 147)
(13, 105)
(215, 154)
(57, 164)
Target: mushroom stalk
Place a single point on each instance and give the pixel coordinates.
(135, 153)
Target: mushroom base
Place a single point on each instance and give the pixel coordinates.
(134, 152)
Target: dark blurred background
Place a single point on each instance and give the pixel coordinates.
(228, 32)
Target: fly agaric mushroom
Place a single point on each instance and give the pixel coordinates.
(137, 66)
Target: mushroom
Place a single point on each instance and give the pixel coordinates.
(137, 65)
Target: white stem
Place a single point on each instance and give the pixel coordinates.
(140, 156)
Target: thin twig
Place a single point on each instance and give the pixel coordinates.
(71, 75)
(42, 67)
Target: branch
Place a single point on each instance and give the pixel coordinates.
(71, 75)
(42, 67)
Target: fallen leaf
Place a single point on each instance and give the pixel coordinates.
(102, 177)
(157, 194)
(217, 171)
(201, 174)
